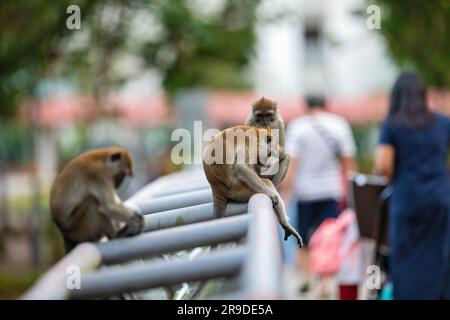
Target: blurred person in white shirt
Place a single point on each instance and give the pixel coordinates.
(322, 152)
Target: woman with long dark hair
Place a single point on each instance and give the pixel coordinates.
(413, 154)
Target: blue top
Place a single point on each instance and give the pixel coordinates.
(419, 210)
(421, 174)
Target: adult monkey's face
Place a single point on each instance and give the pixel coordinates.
(267, 147)
(265, 117)
(120, 165)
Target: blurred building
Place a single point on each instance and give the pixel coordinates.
(314, 47)
(322, 46)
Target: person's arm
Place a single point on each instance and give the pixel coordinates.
(448, 142)
(288, 183)
(385, 152)
(384, 160)
(348, 164)
(292, 148)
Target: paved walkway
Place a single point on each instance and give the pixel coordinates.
(293, 282)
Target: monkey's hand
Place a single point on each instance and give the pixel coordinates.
(134, 226)
(289, 230)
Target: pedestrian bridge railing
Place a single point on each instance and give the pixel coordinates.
(179, 216)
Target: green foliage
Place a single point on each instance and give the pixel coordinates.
(366, 138)
(189, 47)
(417, 34)
(209, 51)
(30, 30)
(13, 286)
(13, 142)
(71, 141)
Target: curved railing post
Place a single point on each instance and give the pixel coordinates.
(262, 273)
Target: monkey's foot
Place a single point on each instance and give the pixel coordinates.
(288, 231)
(133, 227)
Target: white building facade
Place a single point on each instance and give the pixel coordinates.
(320, 47)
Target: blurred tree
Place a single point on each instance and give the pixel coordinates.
(30, 31)
(417, 34)
(202, 49)
(190, 42)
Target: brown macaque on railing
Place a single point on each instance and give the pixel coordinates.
(232, 162)
(83, 200)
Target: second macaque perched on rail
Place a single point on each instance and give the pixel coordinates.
(233, 162)
(83, 200)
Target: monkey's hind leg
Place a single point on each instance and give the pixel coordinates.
(113, 209)
(84, 224)
(220, 206)
(108, 228)
(280, 210)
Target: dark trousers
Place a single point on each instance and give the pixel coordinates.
(312, 213)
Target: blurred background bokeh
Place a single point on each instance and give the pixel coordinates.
(138, 69)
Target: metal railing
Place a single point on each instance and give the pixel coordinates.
(178, 212)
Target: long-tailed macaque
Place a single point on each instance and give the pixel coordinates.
(83, 200)
(232, 161)
(265, 115)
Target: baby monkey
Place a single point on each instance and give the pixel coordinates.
(265, 115)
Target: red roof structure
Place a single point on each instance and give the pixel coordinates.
(223, 108)
(231, 107)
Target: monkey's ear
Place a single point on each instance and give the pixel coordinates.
(116, 156)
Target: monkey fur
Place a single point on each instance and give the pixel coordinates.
(238, 181)
(265, 114)
(83, 200)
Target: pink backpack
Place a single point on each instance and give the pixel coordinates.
(326, 244)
